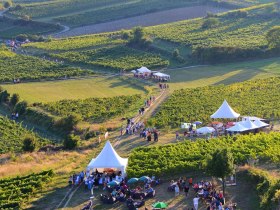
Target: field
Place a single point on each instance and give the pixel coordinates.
(186, 106)
(151, 19)
(14, 66)
(75, 89)
(12, 135)
(237, 34)
(85, 12)
(95, 110)
(114, 58)
(16, 191)
(222, 74)
(10, 28)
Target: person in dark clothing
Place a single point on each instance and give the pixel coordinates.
(155, 136)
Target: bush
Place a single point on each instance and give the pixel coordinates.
(210, 23)
(29, 144)
(21, 37)
(20, 108)
(71, 142)
(7, 4)
(4, 96)
(68, 123)
(14, 99)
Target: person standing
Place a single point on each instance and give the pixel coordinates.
(177, 190)
(195, 202)
(155, 136)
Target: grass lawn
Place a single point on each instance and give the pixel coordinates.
(223, 73)
(74, 89)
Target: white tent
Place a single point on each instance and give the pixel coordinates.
(260, 124)
(248, 124)
(133, 71)
(237, 128)
(161, 75)
(205, 130)
(144, 70)
(108, 158)
(225, 111)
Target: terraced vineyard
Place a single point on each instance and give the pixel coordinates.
(16, 191)
(234, 35)
(85, 12)
(119, 57)
(12, 135)
(28, 67)
(95, 109)
(75, 43)
(254, 98)
(189, 156)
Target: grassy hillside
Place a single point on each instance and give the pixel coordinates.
(85, 12)
(253, 98)
(27, 67)
(231, 36)
(12, 135)
(10, 28)
(74, 89)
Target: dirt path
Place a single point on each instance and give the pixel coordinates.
(151, 19)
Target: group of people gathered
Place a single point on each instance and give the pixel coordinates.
(163, 86)
(203, 190)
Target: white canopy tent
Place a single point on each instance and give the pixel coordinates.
(225, 112)
(205, 130)
(248, 124)
(108, 158)
(161, 75)
(144, 70)
(260, 124)
(237, 128)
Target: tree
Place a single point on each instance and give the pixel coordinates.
(273, 37)
(138, 38)
(210, 22)
(20, 108)
(71, 141)
(4, 96)
(7, 4)
(220, 165)
(14, 99)
(29, 143)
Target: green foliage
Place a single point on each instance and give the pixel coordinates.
(240, 34)
(4, 96)
(118, 58)
(12, 136)
(187, 156)
(71, 142)
(93, 109)
(17, 191)
(7, 4)
(210, 23)
(138, 38)
(29, 67)
(75, 43)
(68, 123)
(29, 143)
(14, 99)
(190, 105)
(267, 188)
(220, 164)
(273, 37)
(20, 107)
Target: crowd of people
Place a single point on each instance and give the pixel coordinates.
(163, 86)
(203, 190)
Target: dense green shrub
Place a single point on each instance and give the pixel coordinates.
(29, 143)
(20, 107)
(71, 142)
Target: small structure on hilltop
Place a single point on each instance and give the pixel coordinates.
(225, 112)
(161, 76)
(108, 159)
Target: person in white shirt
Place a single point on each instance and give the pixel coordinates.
(195, 202)
(177, 190)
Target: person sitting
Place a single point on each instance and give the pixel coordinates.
(87, 206)
(150, 192)
(121, 196)
(114, 193)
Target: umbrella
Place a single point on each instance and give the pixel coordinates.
(113, 183)
(197, 123)
(159, 205)
(132, 180)
(144, 178)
